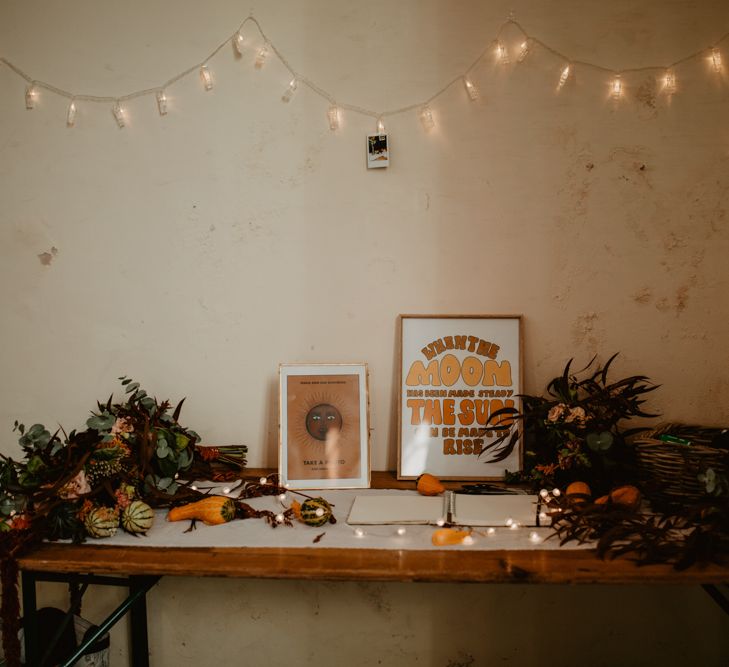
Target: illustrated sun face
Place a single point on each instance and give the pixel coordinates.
(322, 419)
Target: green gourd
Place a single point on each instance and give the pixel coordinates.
(315, 511)
(137, 517)
(102, 522)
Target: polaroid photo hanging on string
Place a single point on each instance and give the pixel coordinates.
(378, 152)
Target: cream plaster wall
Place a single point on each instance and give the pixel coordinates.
(197, 251)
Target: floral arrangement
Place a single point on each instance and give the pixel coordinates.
(88, 483)
(575, 431)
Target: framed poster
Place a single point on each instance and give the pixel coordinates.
(324, 426)
(455, 371)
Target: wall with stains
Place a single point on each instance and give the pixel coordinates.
(197, 251)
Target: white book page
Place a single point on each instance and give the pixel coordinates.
(396, 509)
(494, 510)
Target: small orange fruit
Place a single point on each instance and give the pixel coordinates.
(579, 488)
(628, 496)
(447, 536)
(429, 485)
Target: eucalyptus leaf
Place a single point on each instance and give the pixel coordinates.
(599, 442)
(102, 422)
(162, 451)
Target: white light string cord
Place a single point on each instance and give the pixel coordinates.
(242, 46)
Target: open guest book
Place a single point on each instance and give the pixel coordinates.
(455, 508)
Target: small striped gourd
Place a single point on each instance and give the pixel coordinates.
(137, 517)
(101, 522)
(315, 511)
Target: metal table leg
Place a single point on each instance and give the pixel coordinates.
(30, 624)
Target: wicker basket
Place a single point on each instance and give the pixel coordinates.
(671, 468)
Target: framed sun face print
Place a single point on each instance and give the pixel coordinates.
(324, 426)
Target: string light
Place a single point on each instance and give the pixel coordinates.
(333, 117)
(289, 92)
(534, 536)
(226, 490)
(161, 102)
(426, 118)
(470, 88)
(71, 114)
(440, 522)
(358, 532)
(239, 43)
(509, 522)
(119, 114)
(491, 531)
(502, 55)
(401, 531)
(543, 516)
(467, 541)
(31, 94)
(716, 59)
(564, 76)
(261, 56)
(514, 525)
(263, 480)
(193, 487)
(207, 77)
(282, 497)
(556, 493)
(279, 518)
(544, 493)
(616, 87)
(524, 49)
(319, 511)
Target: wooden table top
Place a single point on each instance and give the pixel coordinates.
(499, 566)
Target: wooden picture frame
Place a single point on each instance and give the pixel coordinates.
(455, 370)
(324, 426)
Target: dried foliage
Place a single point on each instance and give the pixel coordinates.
(697, 534)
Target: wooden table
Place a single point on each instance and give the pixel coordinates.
(140, 568)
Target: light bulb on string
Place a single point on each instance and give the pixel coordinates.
(161, 102)
(333, 117)
(71, 114)
(669, 82)
(524, 49)
(290, 90)
(616, 87)
(261, 56)
(380, 126)
(502, 55)
(564, 76)
(239, 43)
(470, 88)
(426, 118)
(119, 114)
(206, 77)
(716, 59)
(31, 95)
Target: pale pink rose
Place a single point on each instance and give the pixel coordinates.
(576, 415)
(556, 412)
(78, 486)
(121, 425)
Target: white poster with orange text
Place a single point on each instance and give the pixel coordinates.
(456, 372)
